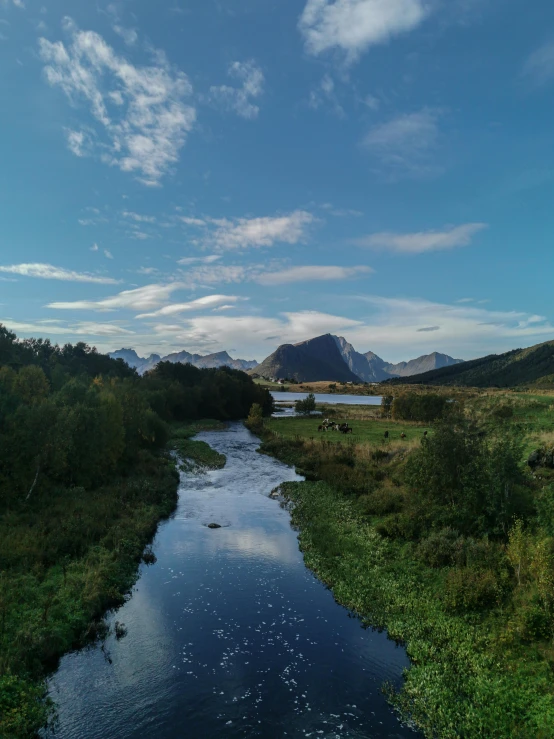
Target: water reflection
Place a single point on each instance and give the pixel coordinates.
(228, 634)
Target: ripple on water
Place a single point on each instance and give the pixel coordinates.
(228, 634)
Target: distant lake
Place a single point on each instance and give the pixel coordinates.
(330, 398)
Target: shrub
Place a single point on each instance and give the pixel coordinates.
(467, 589)
(441, 548)
(306, 405)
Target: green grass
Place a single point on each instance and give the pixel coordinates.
(465, 679)
(371, 431)
(196, 453)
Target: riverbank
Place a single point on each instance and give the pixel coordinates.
(68, 559)
(480, 667)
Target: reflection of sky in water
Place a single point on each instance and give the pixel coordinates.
(229, 634)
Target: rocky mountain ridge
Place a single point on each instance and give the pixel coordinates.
(333, 358)
(209, 361)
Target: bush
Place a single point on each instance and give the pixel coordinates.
(467, 589)
(442, 548)
(306, 405)
(425, 408)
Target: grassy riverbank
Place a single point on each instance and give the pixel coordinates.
(194, 453)
(474, 606)
(64, 562)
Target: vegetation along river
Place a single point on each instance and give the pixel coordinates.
(229, 635)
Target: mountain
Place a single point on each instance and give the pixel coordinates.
(426, 363)
(360, 364)
(332, 358)
(534, 365)
(309, 361)
(210, 361)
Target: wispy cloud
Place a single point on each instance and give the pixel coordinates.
(239, 99)
(539, 66)
(142, 120)
(94, 247)
(138, 217)
(148, 297)
(424, 241)
(426, 329)
(352, 26)
(49, 272)
(394, 327)
(325, 93)
(108, 254)
(405, 146)
(210, 259)
(309, 274)
(245, 233)
(209, 301)
(56, 328)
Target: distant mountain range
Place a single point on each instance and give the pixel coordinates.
(332, 358)
(531, 366)
(210, 361)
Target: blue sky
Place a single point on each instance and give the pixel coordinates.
(237, 174)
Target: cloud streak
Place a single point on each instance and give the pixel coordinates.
(209, 301)
(142, 119)
(424, 241)
(149, 297)
(310, 274)
(49, 272)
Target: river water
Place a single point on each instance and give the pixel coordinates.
(229, 635)
(329, 398)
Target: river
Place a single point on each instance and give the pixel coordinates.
(229, 635)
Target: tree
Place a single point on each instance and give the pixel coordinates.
(305, 406)
(255, 418)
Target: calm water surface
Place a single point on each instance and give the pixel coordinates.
(329, 398)
(229, 635)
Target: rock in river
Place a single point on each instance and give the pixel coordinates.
(214, 526)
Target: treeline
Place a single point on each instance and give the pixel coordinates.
(84, 479)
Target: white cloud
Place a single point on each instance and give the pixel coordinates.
(49, 272)
(55, 328)
(94, 247)
(148, 297)
(139, 235)
(205, 275)
(192, 221)
(210, 259)
(352, 26)
(393, 330)
(424, 241)
(242, 233)
(239, 99)
(138, 218)
(209, 301)
(141, 115)
(78, 142)
(308, 274)
(540, 65)
(108, 254)
(405, 145)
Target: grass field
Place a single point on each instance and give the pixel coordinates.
(371, 431)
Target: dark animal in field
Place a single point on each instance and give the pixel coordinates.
(425, 434)
(386, 434)
(321, 428)
(402, 435)
(347, 430)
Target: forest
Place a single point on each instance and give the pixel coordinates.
(85, 477)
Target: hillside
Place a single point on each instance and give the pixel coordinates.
(209, 361)
(333, 359)
(517, 367)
